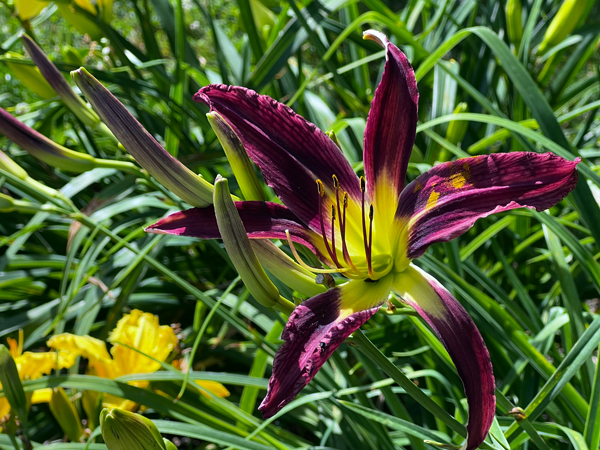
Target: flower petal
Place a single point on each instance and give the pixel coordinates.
(291, 152)
(445, 202)
(453, 326)
(262, 220)
(315, 329)
(140, 331)
(391, 125)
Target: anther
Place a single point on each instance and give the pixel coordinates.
(363, 184)
(320, 188)
(336, 182)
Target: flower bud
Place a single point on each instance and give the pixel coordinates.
(6, 203)
(59, 83)
(565, 21)
(8, 165)
(141, 145)
(43, 148)
(12, 168)
(285, 268)
(11, 385)
(238, 158)
(169, 445)
(29, 75)
(65, 414)
(514, 21)
(239, 249)
(124, 430)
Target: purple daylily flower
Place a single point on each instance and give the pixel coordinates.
(370, 228)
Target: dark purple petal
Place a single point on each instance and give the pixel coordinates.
(456, 330)
(315, 329)
(445, 202)
(262, 220)
(392, 121)
(291, 152)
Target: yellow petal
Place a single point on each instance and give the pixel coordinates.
(34, 365)
(30, 76)
(4, 407)
(91, 348)
(27, 9)
(41, 396)
(142, 332)
(215, 387)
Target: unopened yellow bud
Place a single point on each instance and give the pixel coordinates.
(65, 414)
(514, 21)
(124, 430)
(565, 21)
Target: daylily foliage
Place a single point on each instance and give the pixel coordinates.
(369, 229)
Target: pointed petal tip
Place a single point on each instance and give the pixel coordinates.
(376, 36)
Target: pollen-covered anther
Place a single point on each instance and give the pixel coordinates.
(320, 188)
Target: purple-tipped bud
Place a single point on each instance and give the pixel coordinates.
(141, 145)
(43, 148)
(53, 76)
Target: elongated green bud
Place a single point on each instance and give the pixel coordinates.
(66, 414)
(11, 384)
(9, 204)
(141, 145)
(43, 148)
(6, 203)
(457, 128)
(124, 430)
(29, 75)
(239, 249)
(514, 22)
(11, 167)
(285, 268)
(169, 445)
(238, 158)
(565, 21)
(59, 83)
(8, 165)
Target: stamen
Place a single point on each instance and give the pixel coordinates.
(332, 255)
(370, 268)
(333, 230)
(343, 233)
(320, 188)
(336, 182)
(364, 224)
(302, 263)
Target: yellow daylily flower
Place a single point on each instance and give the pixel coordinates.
(135, 331)
(32, 365)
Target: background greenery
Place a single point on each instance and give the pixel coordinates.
(530, 281)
